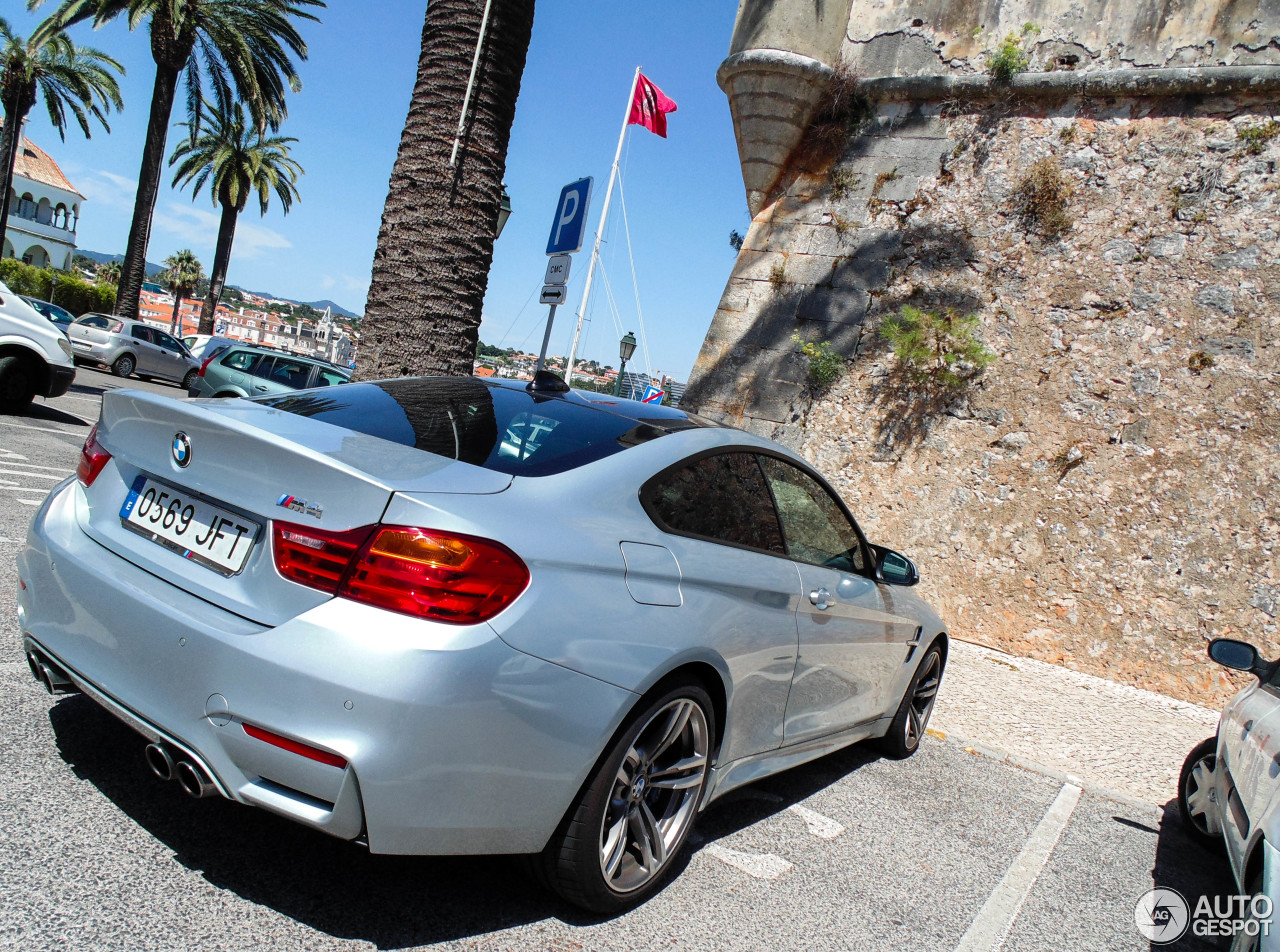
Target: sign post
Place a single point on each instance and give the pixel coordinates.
(568, 228)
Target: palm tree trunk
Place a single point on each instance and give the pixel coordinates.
(174, 326)
(435, 245)
(133, 269)
(221, 259)
(10, 142)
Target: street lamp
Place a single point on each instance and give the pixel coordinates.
(626, 347)
(504, 211)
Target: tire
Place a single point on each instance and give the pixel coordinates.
(225, 394)
(908, 727)
(124, 365)
(1242, 941)
(17, 383)
(189, 380)
(1197, 802)
(620, 839)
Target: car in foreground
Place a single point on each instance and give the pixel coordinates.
(131, 347)
(455, 615)
(58, 316)
(1229, 794)
(35, 358)
(247, 370)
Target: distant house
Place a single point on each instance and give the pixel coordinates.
(43, 209)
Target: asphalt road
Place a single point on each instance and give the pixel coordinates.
(945, 851)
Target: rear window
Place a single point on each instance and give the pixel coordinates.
(499, 428)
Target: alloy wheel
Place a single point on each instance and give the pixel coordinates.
(921, 705)
(655, 795)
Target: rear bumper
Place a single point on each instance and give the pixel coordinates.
(60, 379)
(454, 741)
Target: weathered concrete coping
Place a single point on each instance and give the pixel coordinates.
(771, 61)
(1172, 81)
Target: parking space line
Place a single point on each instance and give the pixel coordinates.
(819, 825)
(990, 928)
(757, 865)
(44, 429)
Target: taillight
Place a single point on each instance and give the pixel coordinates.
(207, 361)
(116, 328)
(445, 577)
(92, 458)
(313, 557)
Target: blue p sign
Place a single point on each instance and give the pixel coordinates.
(569, 226)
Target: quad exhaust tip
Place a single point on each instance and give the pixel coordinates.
(194, 780)
(50, 675)
(160, 761)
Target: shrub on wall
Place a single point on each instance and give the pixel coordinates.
(825, 366)
(78, 297)
(937, 348)
(1042, 195)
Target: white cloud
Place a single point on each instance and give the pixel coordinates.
(199, 227)
(107, 190)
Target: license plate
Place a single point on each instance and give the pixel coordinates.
(194, 528)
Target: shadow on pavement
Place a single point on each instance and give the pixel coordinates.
(1194, 870)
(47, 414)
(337, 887)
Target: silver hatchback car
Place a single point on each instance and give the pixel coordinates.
(452, 615)
(130, 347)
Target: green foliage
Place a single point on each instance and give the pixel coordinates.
(78, 297)
(735, 240)
(943, 349)
(1008, 59)
(1041, 196)
(1255, 138)
(843, 181)
(778, 276)
(825, 366)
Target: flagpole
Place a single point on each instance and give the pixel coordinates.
(604, 215)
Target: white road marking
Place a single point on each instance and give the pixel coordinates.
(21, 489)
(819, 825)
(758, 865)
(31, 502)
(39, 429)
(990, 929)
(9, 454)
(23, 472)
(25, 467)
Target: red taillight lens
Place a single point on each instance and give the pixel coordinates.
(294, 747)
(207, 362)
(313, 557)
(116, 328)
(92, 458)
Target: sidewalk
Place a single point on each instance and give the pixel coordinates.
(1110, 736)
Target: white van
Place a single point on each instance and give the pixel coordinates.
(35, 357)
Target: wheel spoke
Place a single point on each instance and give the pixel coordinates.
(615, 847)
(681, 775)
(675, 727)
(927, 689)
(913, 724)
(640, 836)
(658, 843)
(627, 769)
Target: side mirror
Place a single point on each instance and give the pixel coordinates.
(894, 568)
(1238, 655)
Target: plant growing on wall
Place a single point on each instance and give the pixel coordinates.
(1041, 196)
(939, 348)
(1010, 57)
(825, 366)
(841, 114)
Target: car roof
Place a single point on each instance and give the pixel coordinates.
(654, 414)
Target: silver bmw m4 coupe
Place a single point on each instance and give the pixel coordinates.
(451, 615)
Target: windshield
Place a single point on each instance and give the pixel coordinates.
(500, 428)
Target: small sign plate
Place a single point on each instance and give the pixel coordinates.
(558, 269)
(552, 294)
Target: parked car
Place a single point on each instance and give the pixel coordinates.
(454, 615)
(35, 358)
(201, 344)
(57, 315)
(247, 370)
(130, 347)
(1228, 792)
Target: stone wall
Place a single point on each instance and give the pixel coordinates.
(1105, 495)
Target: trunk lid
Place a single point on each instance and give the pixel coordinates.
(260, 465)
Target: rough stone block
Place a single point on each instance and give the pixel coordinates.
(1246, 259)
(901, 188)
(810, 269)
(864, 271)
(1218, 298)
(1166, 246)
(757, 265)
(834, 305)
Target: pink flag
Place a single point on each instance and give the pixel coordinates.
(650, 107)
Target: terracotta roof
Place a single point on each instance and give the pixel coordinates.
(35, 164)
(484, 372)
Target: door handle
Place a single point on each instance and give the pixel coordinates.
(260, 387)
(820, 598)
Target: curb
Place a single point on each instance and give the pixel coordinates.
(1031, 766)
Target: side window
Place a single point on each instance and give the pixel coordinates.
(813, 524)
(164, 340)
(329, 378)
(100, 322)
(290, 373)
(138, 332)
(723, 498)
(242, 360)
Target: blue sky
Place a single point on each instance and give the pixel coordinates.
(682, 194)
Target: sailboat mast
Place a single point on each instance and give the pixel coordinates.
(604, 216)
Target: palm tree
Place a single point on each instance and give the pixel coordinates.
(185, 272)
(70, 78)
(435, 245)
(109, 272)
(236, 161)
(240, 45)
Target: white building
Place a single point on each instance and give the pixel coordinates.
(44, 209)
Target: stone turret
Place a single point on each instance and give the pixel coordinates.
(1096, 182)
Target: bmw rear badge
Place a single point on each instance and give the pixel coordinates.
(181, 449)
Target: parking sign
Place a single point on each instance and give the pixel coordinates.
(569, 226)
